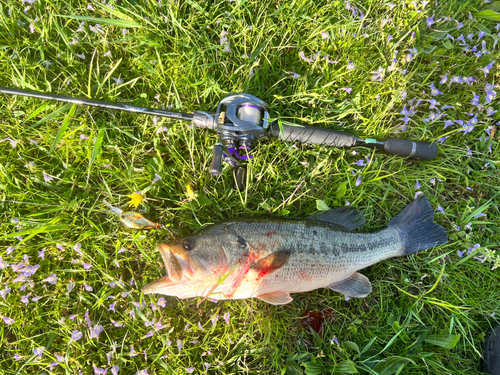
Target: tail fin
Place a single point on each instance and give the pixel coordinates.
(416, 225)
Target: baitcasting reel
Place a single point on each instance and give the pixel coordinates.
(241, 120)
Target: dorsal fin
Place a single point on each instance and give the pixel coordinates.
(346, 216)
(271, 263)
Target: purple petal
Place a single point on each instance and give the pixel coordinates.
(5, 291)
(76, 335)
(52, 279)
(214, 319)
(39, 351)
(361, 163)
(162, 129)
(157, 178)
(99, 371)
(3, 264)
(8, 320)
(96, 331)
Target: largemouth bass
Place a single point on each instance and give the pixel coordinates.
(269, 258)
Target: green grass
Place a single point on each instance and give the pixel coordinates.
(421, 305)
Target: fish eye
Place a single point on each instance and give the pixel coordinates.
(188, 244)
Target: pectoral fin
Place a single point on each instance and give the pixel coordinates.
(357, 286)
(276, 298)
(271, 263)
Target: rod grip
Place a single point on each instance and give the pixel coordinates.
(312, 135)
(216, 164)
(412, 149)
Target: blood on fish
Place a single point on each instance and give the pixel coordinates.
(262, 273)
(305, 276)
(251, 256)
(264, 269)
(268, 234)
(240, 276)
(237, 283)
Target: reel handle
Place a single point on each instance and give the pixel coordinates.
(216, 164)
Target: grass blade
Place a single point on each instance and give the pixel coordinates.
(488, 15)
(391, 365)
(97, 146)
(115, 12)
(63, 127)
(106, 21)
(37, 111)
(444, 341)
(64, 37)
(35, 231)
(52, 115)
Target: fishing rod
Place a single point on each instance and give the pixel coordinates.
(243, 119)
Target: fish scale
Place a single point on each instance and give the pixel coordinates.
(269, 258)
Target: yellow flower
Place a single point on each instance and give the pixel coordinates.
(190, 193)
(136, 199)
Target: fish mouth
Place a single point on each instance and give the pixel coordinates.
(157, 286)
(179, 264)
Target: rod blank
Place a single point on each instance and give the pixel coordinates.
(99, 103)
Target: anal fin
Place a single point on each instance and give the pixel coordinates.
(276, 298)
(357, 286)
